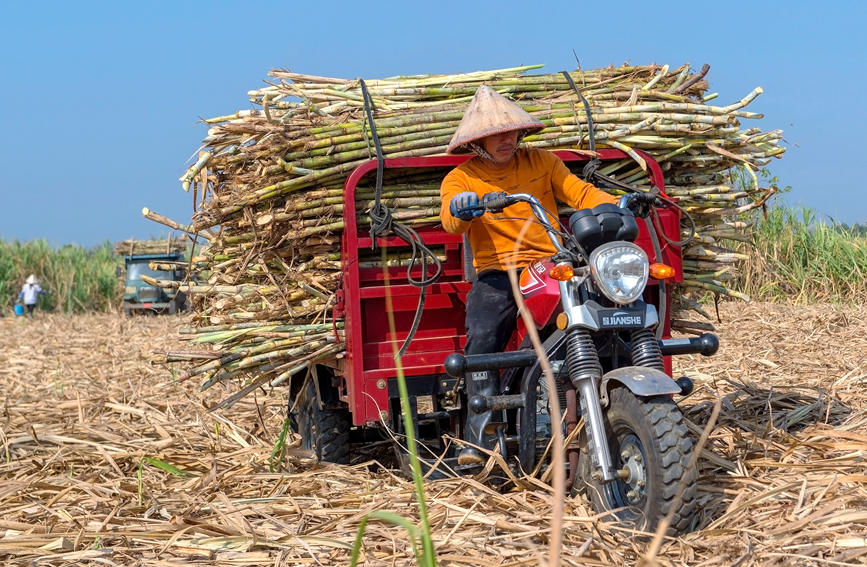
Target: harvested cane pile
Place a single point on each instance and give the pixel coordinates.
(164, 246)
(270, 184)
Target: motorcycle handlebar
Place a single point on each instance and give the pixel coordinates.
(640, 203)
(496, 202)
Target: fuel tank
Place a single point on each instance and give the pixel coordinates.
(541, 292)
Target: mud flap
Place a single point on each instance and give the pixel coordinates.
(640, 380)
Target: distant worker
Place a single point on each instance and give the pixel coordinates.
(30, 293)
(492, 128)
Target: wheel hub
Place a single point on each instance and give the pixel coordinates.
(632, 473)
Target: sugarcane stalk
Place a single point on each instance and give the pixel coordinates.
(656, 79)
(265, 377)
(251, 354)
(226, 374)
(188, 176)
(203, 331)
(716, 287)
(322, 354)
(151, 215)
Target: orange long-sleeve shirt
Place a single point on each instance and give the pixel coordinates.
(493, 237)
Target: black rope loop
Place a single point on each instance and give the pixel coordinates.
(381, 221)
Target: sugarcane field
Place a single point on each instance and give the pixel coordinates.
(292, 376)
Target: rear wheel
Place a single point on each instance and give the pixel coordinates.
(650, 446)
(324, 431)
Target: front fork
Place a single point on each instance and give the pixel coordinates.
(585, 372)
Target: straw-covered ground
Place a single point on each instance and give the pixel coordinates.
(108, 460)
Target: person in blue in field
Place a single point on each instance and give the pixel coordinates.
(30, 293)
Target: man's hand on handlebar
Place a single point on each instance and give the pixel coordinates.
(464, 206)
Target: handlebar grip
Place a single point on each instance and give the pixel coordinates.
(497, 204)
(492, 202)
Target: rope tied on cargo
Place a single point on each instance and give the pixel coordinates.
(382, 222)
(380, 215)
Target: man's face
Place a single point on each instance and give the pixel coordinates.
(500, 146)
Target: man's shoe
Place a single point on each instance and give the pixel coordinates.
(478, 384)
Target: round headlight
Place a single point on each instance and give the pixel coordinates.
(620, 270)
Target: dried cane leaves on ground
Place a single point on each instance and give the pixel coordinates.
(108, 460)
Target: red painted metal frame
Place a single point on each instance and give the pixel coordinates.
(369, 361)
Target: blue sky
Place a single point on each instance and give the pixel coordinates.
(102, 99)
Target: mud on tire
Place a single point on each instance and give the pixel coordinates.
(648, 436)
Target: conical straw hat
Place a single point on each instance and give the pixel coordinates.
(490, 113)
(32, 279)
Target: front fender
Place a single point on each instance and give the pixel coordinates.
(641, 381)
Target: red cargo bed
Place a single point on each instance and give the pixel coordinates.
(370, 345)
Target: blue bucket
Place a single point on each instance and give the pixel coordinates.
(19, 309)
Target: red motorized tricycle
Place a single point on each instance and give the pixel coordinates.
(601, 309)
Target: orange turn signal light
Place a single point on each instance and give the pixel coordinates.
(661, 271)
(562, 272)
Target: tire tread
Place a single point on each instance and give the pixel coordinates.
(328, 429)
(668, 429)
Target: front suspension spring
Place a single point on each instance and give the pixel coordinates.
(645, 350)
(585, 371)
(581, 356)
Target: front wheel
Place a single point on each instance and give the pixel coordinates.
(652, 452)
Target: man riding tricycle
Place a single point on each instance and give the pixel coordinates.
(597, 289)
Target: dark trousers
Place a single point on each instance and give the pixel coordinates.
(491, 313)
(490, 321)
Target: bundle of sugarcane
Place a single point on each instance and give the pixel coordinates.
(154, 246)
(271, 183)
